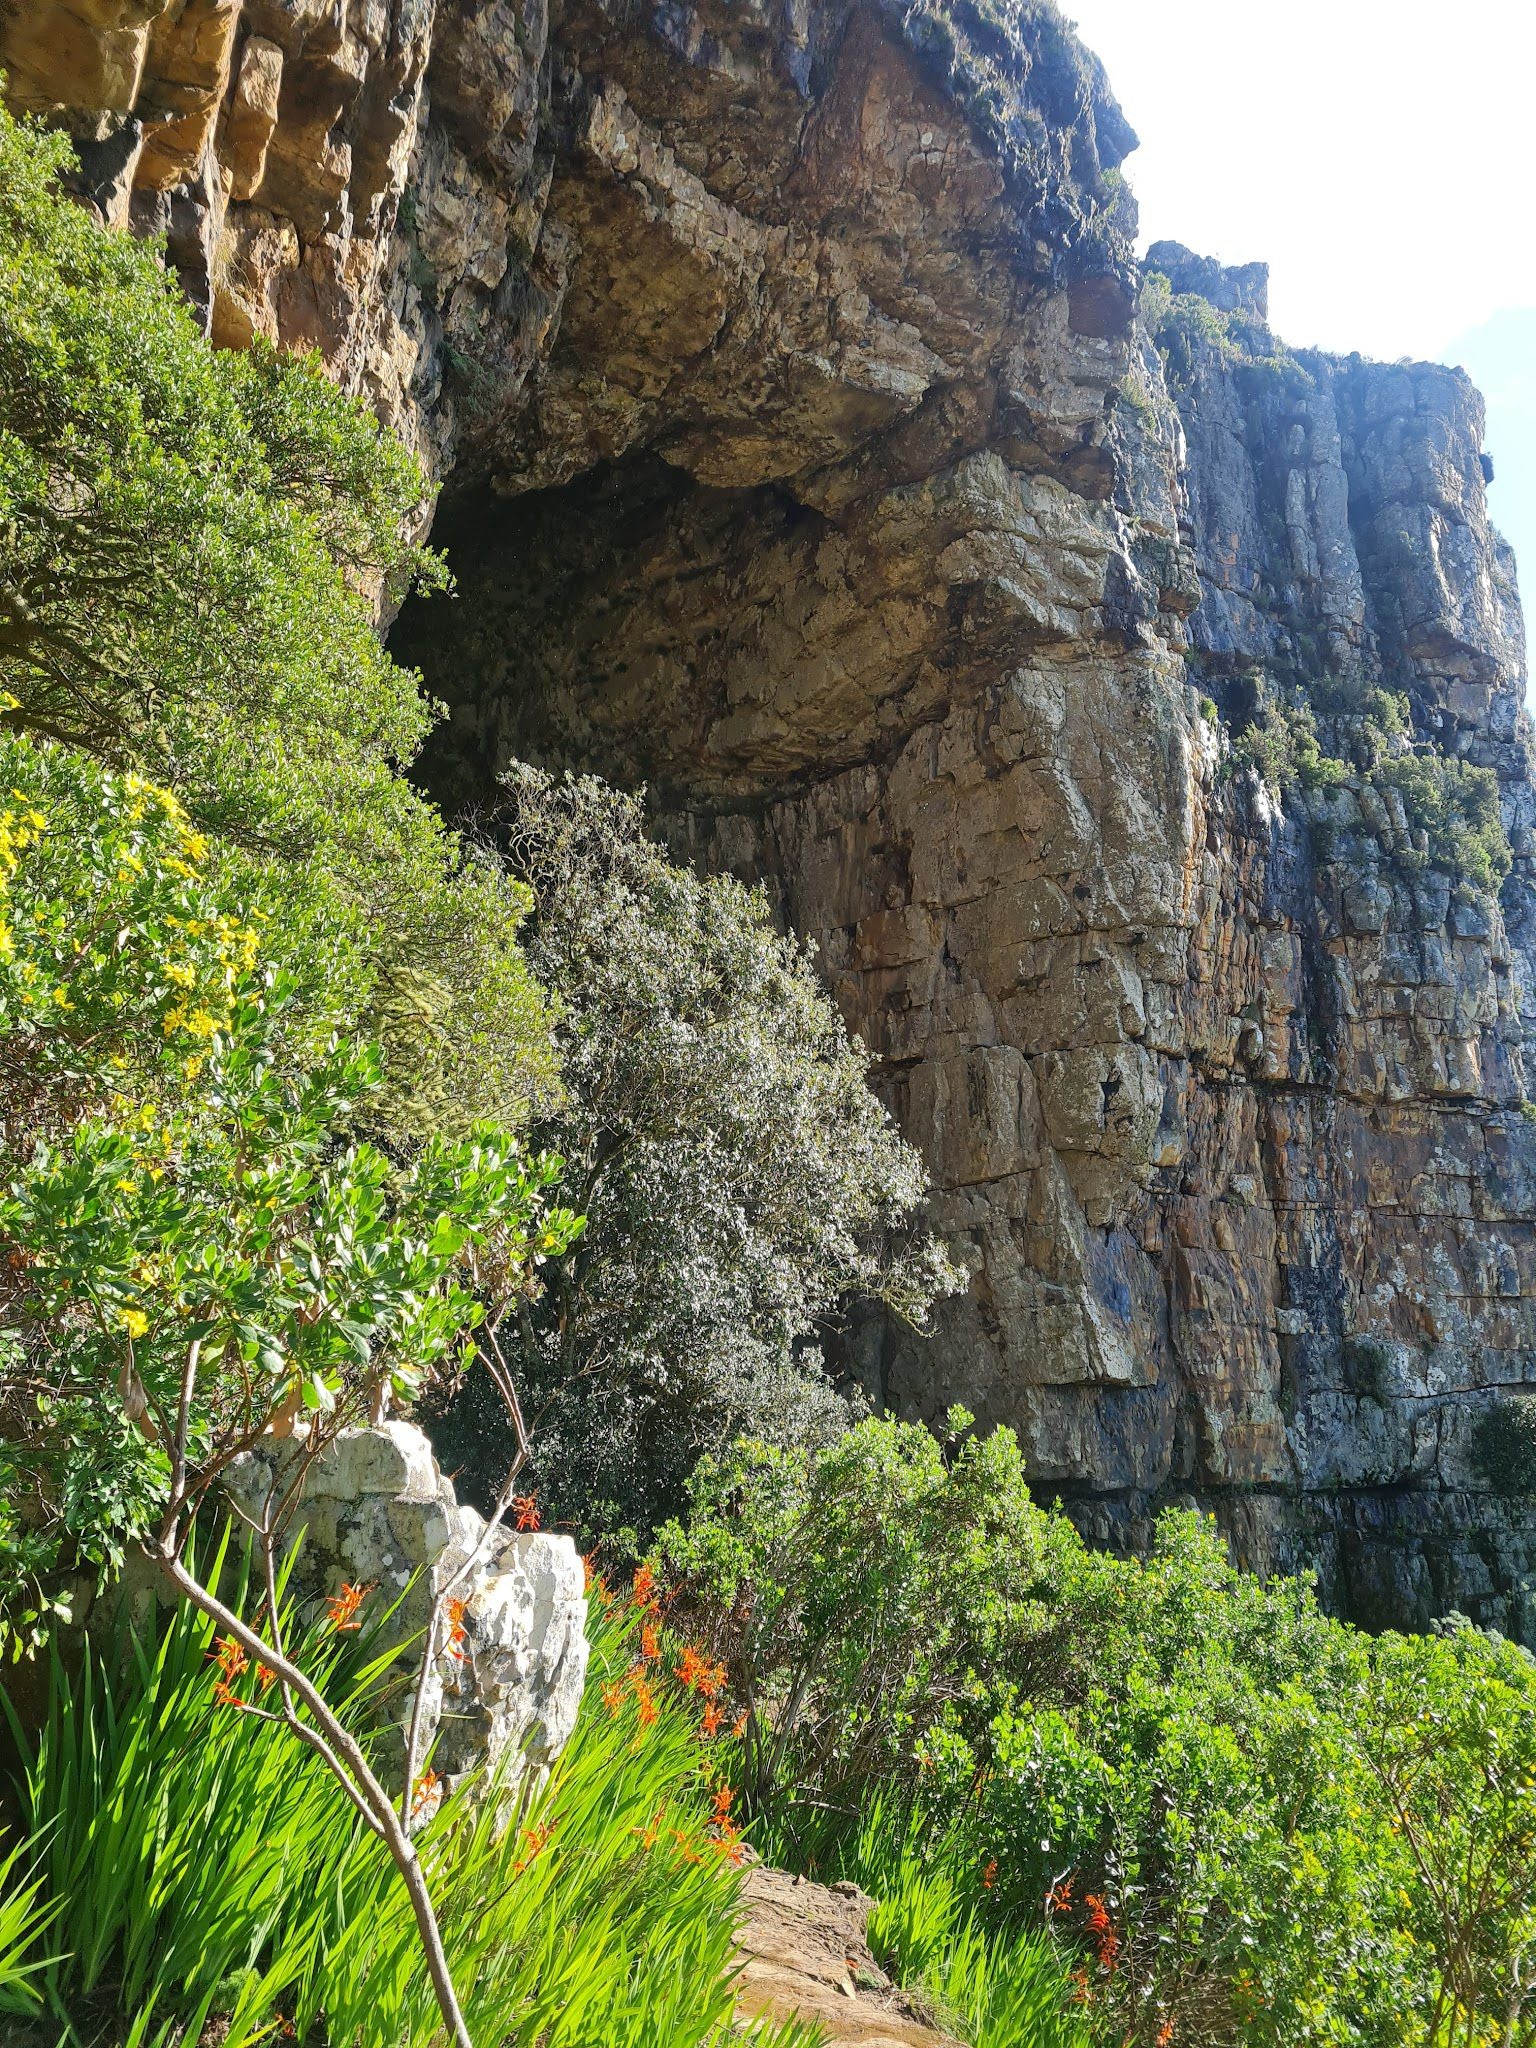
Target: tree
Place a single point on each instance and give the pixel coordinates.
(739, 1179)
(191, 546)
(188, 1273)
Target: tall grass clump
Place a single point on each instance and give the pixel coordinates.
(188, 1862)
(991, 1985)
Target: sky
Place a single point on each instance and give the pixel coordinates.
(1379, 155)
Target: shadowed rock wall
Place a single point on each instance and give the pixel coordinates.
(806, 460)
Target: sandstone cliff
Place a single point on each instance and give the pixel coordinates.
(806, 458)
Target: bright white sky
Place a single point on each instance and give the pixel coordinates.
(1379, 155)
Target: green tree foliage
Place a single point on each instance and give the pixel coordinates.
(1244, 1821)
(191, 1222)
(1504, 1446)
(739, 1180)
(190, 546)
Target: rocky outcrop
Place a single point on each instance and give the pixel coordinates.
(373, 1510)
(806, 458)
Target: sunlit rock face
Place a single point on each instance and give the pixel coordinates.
(805, 459)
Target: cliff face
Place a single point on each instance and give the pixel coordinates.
(806, 458)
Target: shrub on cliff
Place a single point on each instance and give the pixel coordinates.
(189, 541)
(739, 1180)
(1242, 1820)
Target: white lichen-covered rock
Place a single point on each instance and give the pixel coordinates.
(374, 1510)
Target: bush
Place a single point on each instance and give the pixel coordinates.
(1455, 807)
(1451, 806)
(739, 1180)
(195, 1248)
(191, 541)
(196, 1863)
(1218, 1799)
(1504, 1446)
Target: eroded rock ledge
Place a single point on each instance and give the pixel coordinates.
(806, 459)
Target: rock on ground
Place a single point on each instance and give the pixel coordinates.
(375, 1511)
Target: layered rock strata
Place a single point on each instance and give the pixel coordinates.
(807, 460)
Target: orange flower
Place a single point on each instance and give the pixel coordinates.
(709, 1721)
(643, 1589)
(342, 1607)
(1059, 1898)
(720, 1806)
(650, 1641)
(224, 1695)
(613, 1695)
(534, 1840)
(651, 1835)
(739, 1725)
(1165, 2034)
(1098, 1914)
(989, 1875)
(230, 1658)
(427, 1796)
(644, 1702)
(697, 1673)
(525, 1509)
(1082, 1990)
(458, 1635)
(264, 1675)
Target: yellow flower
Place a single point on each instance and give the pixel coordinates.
(135, 1322)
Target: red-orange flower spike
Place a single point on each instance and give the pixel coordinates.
(650, 1642)
(342, 1607)
(534, 1840)
(427, 1795)
(739, 1725)
(458, 1635)
(1165, 2034)
(264, 1675)
(645, 1704)
(613, 1695)
(525, 1510)
(989, 1875)
(230, 1658)
(643, 1588)
(1098, 1914)
(225, 1695)
(1059, 1898)
(709, 1722)
(720, 1806)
